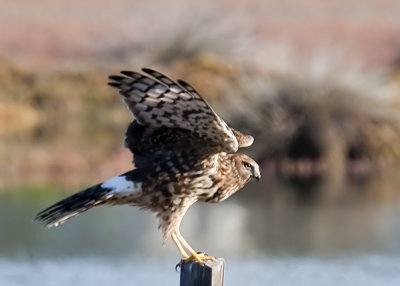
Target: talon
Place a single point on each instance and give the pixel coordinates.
(181, 244)
(178, 266)
(199, 257)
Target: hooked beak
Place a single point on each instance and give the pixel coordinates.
(257, 176)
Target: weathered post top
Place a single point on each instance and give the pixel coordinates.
(210, 273)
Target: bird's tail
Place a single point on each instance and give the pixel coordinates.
(106, 192)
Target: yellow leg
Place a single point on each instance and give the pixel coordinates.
(179, 246)
(194, 255)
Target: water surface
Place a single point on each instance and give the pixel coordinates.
(274, 235)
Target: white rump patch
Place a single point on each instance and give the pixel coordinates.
(120, 185)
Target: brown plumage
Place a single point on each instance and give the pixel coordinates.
(183, 153)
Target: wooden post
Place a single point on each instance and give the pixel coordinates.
(210, 273)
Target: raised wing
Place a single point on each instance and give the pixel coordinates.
(174, 111)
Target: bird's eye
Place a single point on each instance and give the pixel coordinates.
(246, 165)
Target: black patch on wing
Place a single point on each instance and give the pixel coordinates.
(144, 141)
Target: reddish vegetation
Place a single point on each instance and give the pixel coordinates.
(43, 32)
(59, 126)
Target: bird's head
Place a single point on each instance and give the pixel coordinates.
(247, 167)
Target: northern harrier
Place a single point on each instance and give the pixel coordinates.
(183, 153)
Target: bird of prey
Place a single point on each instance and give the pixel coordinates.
(183, 152)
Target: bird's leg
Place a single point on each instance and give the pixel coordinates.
(194, 255)
(179, 246)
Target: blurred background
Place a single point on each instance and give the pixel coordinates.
(317, 83)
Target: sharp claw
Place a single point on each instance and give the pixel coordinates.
(178, 266)
(200, 257)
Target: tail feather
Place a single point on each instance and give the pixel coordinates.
(72, 206)
(97, 195)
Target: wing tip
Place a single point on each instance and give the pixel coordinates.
(187, 86)
(245, 141)
(156, 74)
(149, 70)
(131, 74)
(114, 84)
